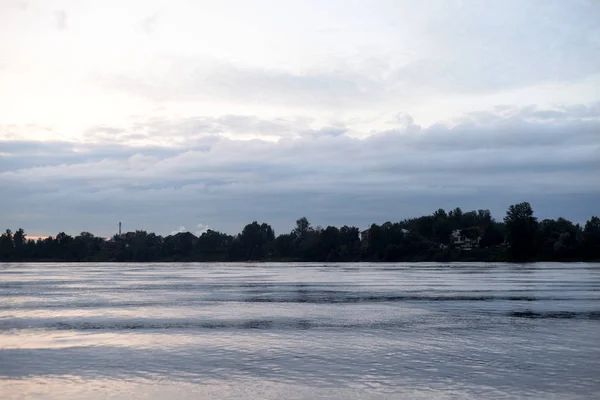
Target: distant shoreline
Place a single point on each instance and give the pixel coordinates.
(453, 236)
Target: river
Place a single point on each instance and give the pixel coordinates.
(299, 331)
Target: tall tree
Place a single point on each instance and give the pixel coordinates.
(255, 240)
(6, 245)
(303, 227)
(521, 231)
(591, 238)
(19, 241)
(214, 246)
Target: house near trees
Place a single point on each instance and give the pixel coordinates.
(464, 240)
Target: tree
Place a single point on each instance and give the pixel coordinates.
(472, 232)
(469, 219)
(455, 217)
(557, 239)
(349, 243)
(493, 235)
(302, 228)
(19, 238)
(440, 214)
(255, 241)
(484, 218)
(284, 246)
(374, 244)
(6, 245)
(329, 243)
(64, 249)
(521, 231)
(214, 246)
(442, 230)
(591, 239)
(179, 246)
(308, 246)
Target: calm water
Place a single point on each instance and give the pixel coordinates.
(274, 331)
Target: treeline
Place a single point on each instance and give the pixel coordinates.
(519, 237)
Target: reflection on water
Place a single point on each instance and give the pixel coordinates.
(299, 331)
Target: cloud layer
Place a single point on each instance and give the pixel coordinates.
(488, 159)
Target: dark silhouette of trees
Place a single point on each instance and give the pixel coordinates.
(591, 239)
(6, 245)
(179, 247)
(254, 243)
(442, 227)
(302, 229)
(213, 246)
(493, 235)
(285, 247)
(558, 239)
(521, 231)
(520, 237)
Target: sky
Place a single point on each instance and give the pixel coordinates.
(188, 115)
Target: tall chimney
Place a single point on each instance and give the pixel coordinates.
(119, 229)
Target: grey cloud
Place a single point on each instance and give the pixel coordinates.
(183, 130)
(61, 19)
(23, 154)
(203, 78)
(15, 4)
(327, 131)
(482, 48)
(102, 129)
(105, 133)
(499, 45)
(483, 161)
(149, 23)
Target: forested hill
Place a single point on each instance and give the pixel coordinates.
(442, 236)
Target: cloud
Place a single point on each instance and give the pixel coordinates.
(201, 228)
(181, 229)
(16, 4)
(472, 50)
(149, 23)
(61, 19)
(201, 131)
(487, 47)
(487, 159)
(205, 78)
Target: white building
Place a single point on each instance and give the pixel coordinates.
(459, 240)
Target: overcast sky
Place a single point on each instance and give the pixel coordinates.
(170, 115)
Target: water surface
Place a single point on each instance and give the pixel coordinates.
(298, 331)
